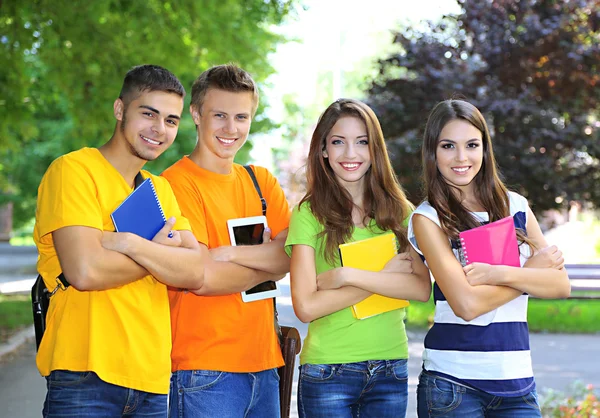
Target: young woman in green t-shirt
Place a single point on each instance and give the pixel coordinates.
(349, 366)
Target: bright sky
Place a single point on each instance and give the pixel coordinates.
(340, 37)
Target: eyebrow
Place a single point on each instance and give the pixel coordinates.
(454, 142)
(225, 113)
(343, 137)
(158, 112)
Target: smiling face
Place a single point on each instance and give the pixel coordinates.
(347, 151)
(223, 125)
(459, 154)
(150, 122)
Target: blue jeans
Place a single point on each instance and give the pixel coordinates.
(439, 397)
(377, 389)
(84, 394)
(207, 393)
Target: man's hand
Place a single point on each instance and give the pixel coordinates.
(167, 236)
(549, 257)
(116, 241)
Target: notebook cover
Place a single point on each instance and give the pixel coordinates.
(140, 213)
(494, 243)
(372, 254)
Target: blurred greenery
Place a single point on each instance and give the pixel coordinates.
(63, 64)
(15, 313)
(531, 66)
(554, 316)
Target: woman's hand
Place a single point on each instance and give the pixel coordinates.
(482, 273)
(400, 263)
(549, 257)
(331, 279)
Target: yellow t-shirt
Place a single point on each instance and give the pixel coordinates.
(121, 334)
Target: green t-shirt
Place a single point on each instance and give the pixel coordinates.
(339, 337)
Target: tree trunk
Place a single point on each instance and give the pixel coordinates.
(6, 213)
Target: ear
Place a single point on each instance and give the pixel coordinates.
(325, 155)
(195, 115)
(119, 109)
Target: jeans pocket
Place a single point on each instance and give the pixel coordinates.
(400, 369)
(202, 379)
(531, 399)
(444, 396)
(276, 372)
(67, 378)
(318, 372)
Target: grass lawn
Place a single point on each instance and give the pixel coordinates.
(553, 316)
(15, 313)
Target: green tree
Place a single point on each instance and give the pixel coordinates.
(530, 66)
(63, 63)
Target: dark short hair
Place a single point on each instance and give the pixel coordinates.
(147, 78)
(228, 77)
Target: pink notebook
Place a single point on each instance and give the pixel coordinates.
(494, 243)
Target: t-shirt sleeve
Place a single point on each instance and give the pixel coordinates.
(169, 204)
(429, 212)
(190, 202)
(303, 230)
(278, 209)
(67, 196)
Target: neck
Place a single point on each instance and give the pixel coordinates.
(208, 161)
(121, 158)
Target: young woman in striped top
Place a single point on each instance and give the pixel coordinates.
(477, 361)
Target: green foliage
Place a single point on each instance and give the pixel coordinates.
(554, 316)
(531, 66)
(63, 63)
(15, 313)
(580, 401)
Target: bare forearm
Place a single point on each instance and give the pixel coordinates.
(394, 285)
(224, 278)
(480, 300)
(269, 257)
(105, 270)
(546, 283)
(174, 266)
(324, 302)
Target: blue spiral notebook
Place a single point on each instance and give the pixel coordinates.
(140, 213)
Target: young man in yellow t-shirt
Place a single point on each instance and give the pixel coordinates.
(225, 351)
(106, 349)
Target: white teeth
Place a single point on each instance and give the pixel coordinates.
(153, 142)
(461, 170)
(227, 141)
(355, 165)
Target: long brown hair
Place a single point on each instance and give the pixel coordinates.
(489, 189)
(383, 200)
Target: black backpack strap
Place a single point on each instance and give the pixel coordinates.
(257, 187)
(264, 212)
(139, 179)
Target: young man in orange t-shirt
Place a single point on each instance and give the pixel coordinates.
(225, 351)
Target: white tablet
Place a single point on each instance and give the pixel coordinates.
(249, 231)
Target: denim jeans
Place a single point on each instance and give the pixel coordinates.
(377, 389)
(439, 397)
(207, 394)
(84, 394)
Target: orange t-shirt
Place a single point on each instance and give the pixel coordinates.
(223, 333)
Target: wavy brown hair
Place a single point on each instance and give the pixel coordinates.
(489, 189)
(383, 200)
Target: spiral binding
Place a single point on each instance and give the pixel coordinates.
(464, 257)
(157, 200)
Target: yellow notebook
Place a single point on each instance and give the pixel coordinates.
(372, 254)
